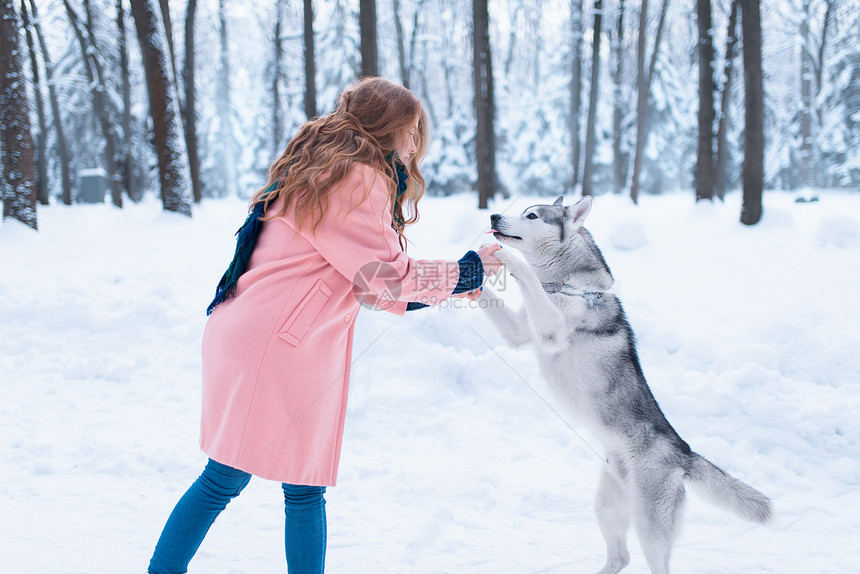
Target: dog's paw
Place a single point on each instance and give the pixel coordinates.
(512, 263)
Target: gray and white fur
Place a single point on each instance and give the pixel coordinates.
(587, 354)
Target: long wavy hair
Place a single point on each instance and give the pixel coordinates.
(368, 121)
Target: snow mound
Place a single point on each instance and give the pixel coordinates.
(776, 218)
(841, 231)
(628, 235)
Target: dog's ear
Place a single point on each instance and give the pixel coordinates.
(559, 201)
(577, 212)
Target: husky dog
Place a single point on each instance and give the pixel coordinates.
(587, 355)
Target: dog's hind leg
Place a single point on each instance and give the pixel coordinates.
(612, 506)
(658, 500)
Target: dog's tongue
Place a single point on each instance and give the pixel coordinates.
(493, 231)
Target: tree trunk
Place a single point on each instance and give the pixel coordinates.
(449, 86)
(484, 103)
(127, 156)
(806, 76)
(164, 5)
(175, 193)
(367, 23)
(277, 64)
(535, 20)
(16, 141)
(413, 38)
(62, 149)
(753, 168)
(590, 126)
(512, 39)
(101, 103)
(190, 146)
(42, 157)
(641, 102)
(644, 77)
(190, 111)
(111, 139)
(725, 99)
(819, 70)
(310, 65)
(575, 87)
(401, 44)
(704, 179)
(225, 149)
(658, 39)
(619, 158)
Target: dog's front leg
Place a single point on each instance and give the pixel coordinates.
(512, 326)
(546, 320)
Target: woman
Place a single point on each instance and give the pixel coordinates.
(324, 236)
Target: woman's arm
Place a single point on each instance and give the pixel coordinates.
(356, 237)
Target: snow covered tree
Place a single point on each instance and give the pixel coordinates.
(189, 122)
(16, 141)
(63, 157)
(172, 166)
(644, 77)
(41, 136)
(838, 110)
(101, 103)
(335, 31)
(225, 144)
(539, 110)
(439, 46)
(406, 38)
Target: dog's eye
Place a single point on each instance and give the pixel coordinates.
(531, 216)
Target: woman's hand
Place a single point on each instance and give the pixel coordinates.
(471, 295)
(491, 264)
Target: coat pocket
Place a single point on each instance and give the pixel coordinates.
(301, 320)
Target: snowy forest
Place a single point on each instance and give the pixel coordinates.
(193, 100)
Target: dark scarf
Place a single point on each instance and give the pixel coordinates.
(246, 240)
(246, 237)
(400, 177)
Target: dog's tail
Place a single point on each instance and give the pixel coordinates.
(727, 492)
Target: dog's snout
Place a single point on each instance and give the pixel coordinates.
(495, 219)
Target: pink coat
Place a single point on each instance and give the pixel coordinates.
(276, 357)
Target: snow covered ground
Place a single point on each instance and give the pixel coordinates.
(452, 462)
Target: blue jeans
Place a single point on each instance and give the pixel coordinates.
(304, 532)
